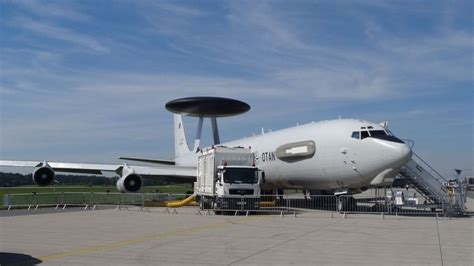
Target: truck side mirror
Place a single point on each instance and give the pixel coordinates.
(218, 177)
(263, 177)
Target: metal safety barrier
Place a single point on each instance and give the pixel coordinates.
(69, 199)
(343, 204)
(269, 203)
(389, 204)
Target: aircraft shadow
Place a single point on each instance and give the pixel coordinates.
(17, 259)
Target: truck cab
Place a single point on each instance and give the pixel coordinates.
(238, 180)
(227, 179)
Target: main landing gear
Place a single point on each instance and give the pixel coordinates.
(346, 203)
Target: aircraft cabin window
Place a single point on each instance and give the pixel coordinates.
(377, 133)
(364, 134)
(355, 135)
(370, 127)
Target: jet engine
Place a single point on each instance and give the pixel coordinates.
(130, 181)
(44, 176)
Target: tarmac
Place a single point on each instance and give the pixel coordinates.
(132, 237)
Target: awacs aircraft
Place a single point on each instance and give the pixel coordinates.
(343, 156)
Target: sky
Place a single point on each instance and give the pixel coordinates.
(87, 81)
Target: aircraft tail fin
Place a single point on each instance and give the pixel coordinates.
(180, 144)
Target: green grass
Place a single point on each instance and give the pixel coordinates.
(172, 189)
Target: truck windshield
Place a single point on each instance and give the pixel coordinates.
(240, 175)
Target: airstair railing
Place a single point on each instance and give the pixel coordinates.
(432, 171)
(435, 174)
(434, 186)
(425, 179)
(417, 179)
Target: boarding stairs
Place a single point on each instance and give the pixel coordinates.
(433, 186)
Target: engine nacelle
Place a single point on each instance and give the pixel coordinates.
(130, 183)
(43, 176)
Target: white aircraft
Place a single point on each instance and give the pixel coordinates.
(343, 156)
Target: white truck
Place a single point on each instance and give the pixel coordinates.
(227, 179)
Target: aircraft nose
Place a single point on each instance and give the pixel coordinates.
(401, 154)
(394, 153)
(405, 153)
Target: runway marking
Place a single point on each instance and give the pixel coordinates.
(439, 243)
(121, 244)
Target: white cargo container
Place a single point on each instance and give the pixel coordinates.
(226, 176)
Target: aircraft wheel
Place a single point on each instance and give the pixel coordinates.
(346, 204)
(340, 204)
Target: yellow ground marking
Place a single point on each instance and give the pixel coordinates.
(121, 244)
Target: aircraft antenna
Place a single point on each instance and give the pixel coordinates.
(215, 130)
(197, 140)
(207, 107)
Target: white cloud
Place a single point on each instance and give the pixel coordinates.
(6, 90)
(50, 9)
(178, 10)
(59, 33)
(342, 83)
(450, 42)
(169, 18)
(259, 18)
(255, 51)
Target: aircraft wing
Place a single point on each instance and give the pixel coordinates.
(154, 161)
(178, 171)
(97, 169)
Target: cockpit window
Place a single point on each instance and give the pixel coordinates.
(364, 134)
(355, 135)
(377, 133)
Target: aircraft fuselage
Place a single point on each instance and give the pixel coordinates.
(335, 159)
